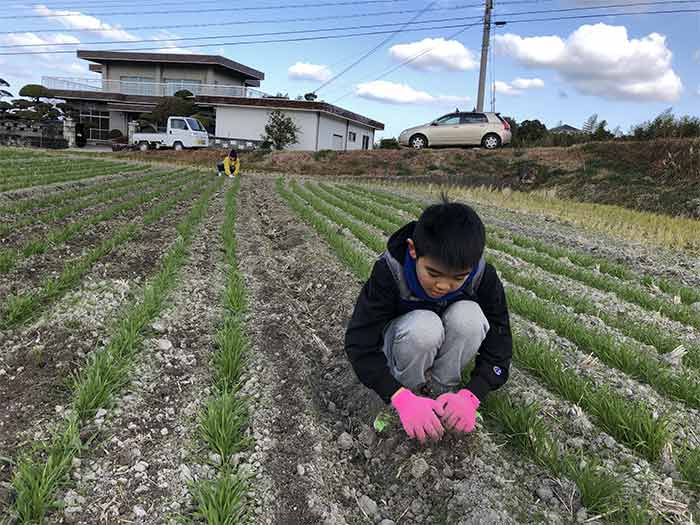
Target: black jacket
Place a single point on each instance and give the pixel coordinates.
(386, 296)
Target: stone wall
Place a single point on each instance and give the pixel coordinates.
(33, 134)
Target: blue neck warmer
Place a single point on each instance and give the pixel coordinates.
(409, 271)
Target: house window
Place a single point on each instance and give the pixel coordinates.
(352, 136)
(365, 141)
(177, 84)
(138, 86)
(96, 123)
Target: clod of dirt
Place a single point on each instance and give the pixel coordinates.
(368, 505)
(544, 493)
(695, 307)
(367, 436)
(419, 468)
(345, 441)
(158, 326)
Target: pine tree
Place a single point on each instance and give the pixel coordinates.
(280, 131)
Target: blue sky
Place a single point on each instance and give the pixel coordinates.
(625, 68)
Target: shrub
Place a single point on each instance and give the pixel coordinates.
(115, 134)
(324, 154)
(281, 130)
(183, 93)
(391, 143)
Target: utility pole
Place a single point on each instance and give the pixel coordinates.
(484, 55)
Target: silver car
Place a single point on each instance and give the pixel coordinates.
(489, 130)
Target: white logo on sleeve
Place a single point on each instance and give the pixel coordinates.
(497, 370)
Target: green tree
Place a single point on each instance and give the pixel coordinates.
(35, 91)
(183, 93)
(601, 132)
(531, 131)
(169, 107)
(280, 130)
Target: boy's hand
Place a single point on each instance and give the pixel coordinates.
(459, 410)
(418, 415)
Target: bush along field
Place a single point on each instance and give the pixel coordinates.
(173, 353)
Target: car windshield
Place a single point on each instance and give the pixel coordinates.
(194, 124)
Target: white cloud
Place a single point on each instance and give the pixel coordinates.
(25, 68)
(527, 83)
(435, 54)
(696, 56)
(602, 60)
(77, 20)
(175, 51)
(305, 71)
(506, 89)
(38, 44)
(170, 44)
(517, 86)
(393, 93)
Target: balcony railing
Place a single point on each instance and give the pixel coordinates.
(149, 89)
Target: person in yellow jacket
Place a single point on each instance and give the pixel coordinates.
(230, 166)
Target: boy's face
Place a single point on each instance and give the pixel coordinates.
(435, 279)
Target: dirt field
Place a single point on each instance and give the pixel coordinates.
(121, 294)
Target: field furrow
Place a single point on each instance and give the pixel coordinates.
(302, 329)
(39, 473)
(151, 429)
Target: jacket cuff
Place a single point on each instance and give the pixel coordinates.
(479, 387)
(387, 387)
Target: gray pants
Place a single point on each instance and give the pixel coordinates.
(421, 340)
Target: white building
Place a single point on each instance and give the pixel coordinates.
(131, 83)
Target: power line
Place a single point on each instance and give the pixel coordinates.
(236, 43)
(499, 22)
(373, 50)
(415, 57)
(221, 9)
(119, 4)
(588, 17)
(323, 18)
(230, 22)
(271, 33)
(608, 6)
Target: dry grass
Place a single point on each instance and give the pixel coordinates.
(676, 233)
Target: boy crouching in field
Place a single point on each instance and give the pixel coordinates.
(430, 306)
(230, 166)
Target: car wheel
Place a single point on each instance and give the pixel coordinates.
(143, 146)
(178, 146)
(491, 141)
(418, 142)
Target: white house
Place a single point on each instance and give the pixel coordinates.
(131, 83)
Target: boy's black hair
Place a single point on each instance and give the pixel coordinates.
(452, 233)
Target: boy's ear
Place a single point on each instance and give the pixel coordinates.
(411, 248)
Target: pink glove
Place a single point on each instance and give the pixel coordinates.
(459, 410)
(417, 415)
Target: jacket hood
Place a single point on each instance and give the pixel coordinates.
(396, 245)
